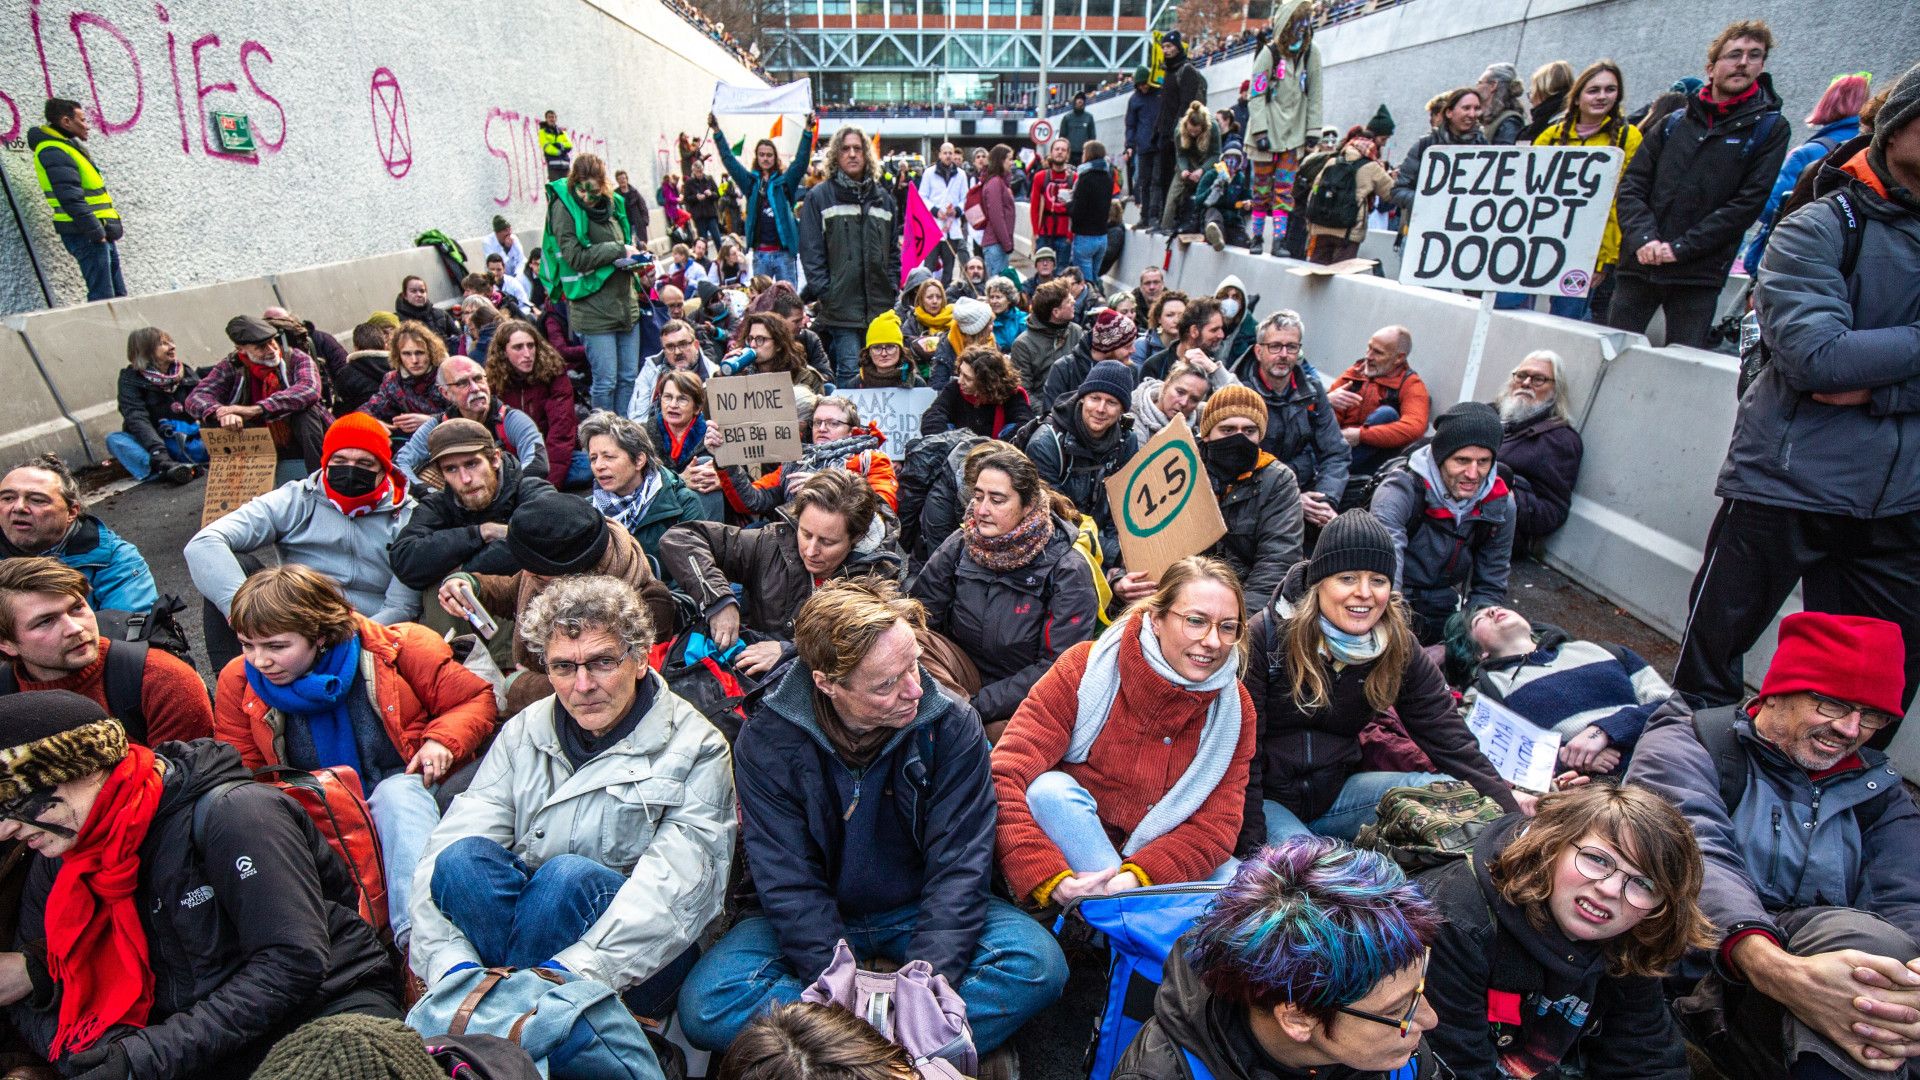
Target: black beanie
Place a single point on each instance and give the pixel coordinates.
(48, 737)
(1470, 423)
(1382, 123)
(556, 534)
(1353, 541)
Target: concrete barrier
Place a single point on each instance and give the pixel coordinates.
(336, 297)
(30, 419)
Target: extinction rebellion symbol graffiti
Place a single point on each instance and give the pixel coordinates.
(392, 135)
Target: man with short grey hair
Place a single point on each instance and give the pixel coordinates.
(1301, 430)
(464, 383)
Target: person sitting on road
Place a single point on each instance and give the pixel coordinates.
(1009, 588)
(679, 351)
(1540, 452)
(1156, 403)
(177, 919)
(1301, 427)
(596, 837)
(838, 435)
(51, 640)
(775, 349)
(1571, 919)
(464, 382)
(1237, 323)
(1809, 837)
(462, 523)
(156, 436)
(367, 366)
(1599, 697)
(1009, 318)
(832, 528)
(985, 397)
(526, 373)
(415, 304)
(260, 385)
(340, 521)
(41, 513)
(1109, 339)
(1382, 405)
(632, 485)
(926, 316)
(1452, 520)
(904, 872)
(1085, 439)
(810, 1039)
(411, 394)
(1258, 496)
(972, 329)
(1332, 651)
(1143, 735)
(319, 685)
(1312, 963)
(1162, 326)
(1051, 334)
(1200, 330)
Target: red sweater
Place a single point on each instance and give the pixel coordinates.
(172, 695)
(1048, 208)
(1150, 739)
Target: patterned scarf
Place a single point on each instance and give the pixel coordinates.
(165, 381)
(628, 509)
(1015, 548)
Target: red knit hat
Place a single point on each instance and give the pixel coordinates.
(358, 431)
(1851, 657)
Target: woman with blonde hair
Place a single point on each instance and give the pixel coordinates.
(1196, 146)
(1546, 98)
(1126, 764)
(410, 394)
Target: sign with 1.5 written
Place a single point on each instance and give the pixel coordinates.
(1163, 504)
(758, 421)
(1522, 753)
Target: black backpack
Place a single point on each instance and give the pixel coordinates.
(124, 677)
(1714, 729)
(921, 470)
(1335, 202)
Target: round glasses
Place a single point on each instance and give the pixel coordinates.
(1597, 865)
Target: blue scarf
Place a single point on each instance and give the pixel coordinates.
(319, 700)
(1351, 648)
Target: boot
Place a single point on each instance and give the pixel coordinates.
(1258, 245)
(1214, 239)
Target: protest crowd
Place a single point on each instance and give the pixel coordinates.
(733, 643)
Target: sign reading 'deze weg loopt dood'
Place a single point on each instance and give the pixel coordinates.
(1163, 504)
(1518, 219)
(757, 419)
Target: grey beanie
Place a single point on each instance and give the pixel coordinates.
(1902, 108)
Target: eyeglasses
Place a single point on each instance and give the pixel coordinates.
(1196, 627)
(599, 667)
(1532, 377)
(1405, 1023)
(1834, 709)
(1280, 346)
(471, 380)
(1597, 865)
(828, 423)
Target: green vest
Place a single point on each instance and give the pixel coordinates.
(555, 274)
(92, 184)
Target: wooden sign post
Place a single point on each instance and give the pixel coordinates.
(1162, 503)
(757, 417)
(240, 464)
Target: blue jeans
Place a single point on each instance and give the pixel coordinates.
(996, 258)
(515, 917)
(404, 814)
(1571, 307)
(1017, 970)
(579, 472)
(99, 265)
(778, 265)
(843, 345)
(1513, 301)
(139, 464)
(1087, 253)
(615, 362)
(1066, 812)
(1351, 811)
(1368, 458)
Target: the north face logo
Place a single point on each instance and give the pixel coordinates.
(197, 897)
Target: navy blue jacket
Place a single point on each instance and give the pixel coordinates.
(1143, 116)
(932, 841)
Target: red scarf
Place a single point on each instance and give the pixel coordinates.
(96, 947)
(355, 505)
(262, 383)
(1718, 110)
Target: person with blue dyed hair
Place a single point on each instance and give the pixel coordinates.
(1311, 963)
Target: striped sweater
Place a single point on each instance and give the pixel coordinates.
(1567, 685)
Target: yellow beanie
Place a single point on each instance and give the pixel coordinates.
(885, 330)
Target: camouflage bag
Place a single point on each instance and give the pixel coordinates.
(1422, 827)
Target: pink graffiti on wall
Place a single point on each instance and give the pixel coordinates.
(514, 138)
(13, 125)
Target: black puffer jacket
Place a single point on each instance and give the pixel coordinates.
(1077, 467)
(1264, 526)
(705, 559)
(1182, 86)
(248, 932)
(1304, 757)
(1013, 624)
(443, 536)
(143, 405)
(849, 250)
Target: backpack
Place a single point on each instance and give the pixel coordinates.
(453, 257)
(573, 1028)
(1755, 135)
(711, 685)
(923, 468)
(1335, 201)
(1755, 355)
(1141, 927)
(1086, 541)
(914, 1008)
(124, 678)
(1714, 729)
(332, 799)
(155, 626)
(1423, 827)
(976, 213)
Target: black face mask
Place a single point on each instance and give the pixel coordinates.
(1230, 458)
(351, 481)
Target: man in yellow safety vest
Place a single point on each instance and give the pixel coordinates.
(77, 196)
(555, 146)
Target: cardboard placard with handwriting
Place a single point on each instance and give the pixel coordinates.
(757, 417)
(240, 464)
(1163, 504)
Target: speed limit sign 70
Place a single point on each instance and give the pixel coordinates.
(1042, 132)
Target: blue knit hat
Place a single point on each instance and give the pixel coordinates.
(1110, 377)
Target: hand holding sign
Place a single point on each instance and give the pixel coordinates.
(1163, 504)
(756, 418)
(241, 462)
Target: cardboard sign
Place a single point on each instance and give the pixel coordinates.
(758, 421)
(1519, 219)
(1163, 504)
(1522, 753)
(896, 410)
(240, 464)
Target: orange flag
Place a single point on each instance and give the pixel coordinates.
(779, 123)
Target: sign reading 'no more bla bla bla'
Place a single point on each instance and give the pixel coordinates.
(758, 421)
(1520, 219)
(1163, 504)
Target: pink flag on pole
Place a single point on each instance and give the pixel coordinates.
(921, 235)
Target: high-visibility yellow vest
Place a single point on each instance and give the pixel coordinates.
(92, 185)
(554, 144)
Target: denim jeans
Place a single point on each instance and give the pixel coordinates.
(1513, 301)
(1066, 812)
(1087, 253)
(778, 265)
(515, 917)
(139, 464)
(1062, 249)
(1351, 811)
(1017, 969)
(1571, 307)
(99, 265)
(1368, 458)
(614, 358)
(843, 345)
(996, 258)
(404, 814)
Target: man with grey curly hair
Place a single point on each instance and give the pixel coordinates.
(596, 837)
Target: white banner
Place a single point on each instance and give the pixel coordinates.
(1522, 753)
(896, 410)
(1518, 219)
(794, 99)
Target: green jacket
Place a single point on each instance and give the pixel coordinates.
(606, 303)
(1286, 110)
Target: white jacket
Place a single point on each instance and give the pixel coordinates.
(951, 194)
(657, 806)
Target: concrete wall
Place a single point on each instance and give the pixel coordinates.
(375, 121)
